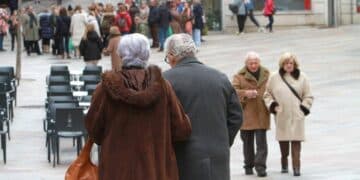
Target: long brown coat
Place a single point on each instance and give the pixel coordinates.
(255, 113)
(116, 61)
(136, 117)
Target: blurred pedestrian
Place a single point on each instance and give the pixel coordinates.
(111, 49)
(91, 46)
(269, 11)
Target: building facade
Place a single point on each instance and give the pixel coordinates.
(290, 13)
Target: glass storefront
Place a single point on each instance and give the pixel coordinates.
(212, 10)
(286, 5)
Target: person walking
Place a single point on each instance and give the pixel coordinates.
(46, 31)
(30, 26)
(136, 118)
(62, 33)
(111, 49)
(241, 16)
(164, 23)
(288, 96)
(91, 46)
(123, 20)
(153, 23)
(4, 27)
(249, 4)
(213, 107)
(198, 22)
(269, 11)
(77, 28)
(187, 17)
(14, 25)
(250, 84)
(107, 21)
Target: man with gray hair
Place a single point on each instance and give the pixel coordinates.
(250, 84)
(212, 106)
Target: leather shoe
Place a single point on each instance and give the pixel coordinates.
(261, 173)
(296, 172)
(249, 171)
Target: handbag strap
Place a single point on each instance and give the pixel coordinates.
(291, 88)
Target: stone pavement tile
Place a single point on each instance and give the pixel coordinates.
(329, 57)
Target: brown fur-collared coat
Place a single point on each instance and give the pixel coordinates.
(256, 115)
(136, 117)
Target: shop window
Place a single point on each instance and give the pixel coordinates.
(358, 6)
(286, 5)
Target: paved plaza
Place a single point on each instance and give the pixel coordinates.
(330, 58)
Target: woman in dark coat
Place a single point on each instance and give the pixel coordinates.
(91, 46)
(136, 117)
(62, 33)
(46, 31)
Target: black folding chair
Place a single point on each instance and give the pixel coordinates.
(58, 80)
(3, 131)
(69, 123)
(59, 71)
(92, 70)
(90, 79)
(60, 90)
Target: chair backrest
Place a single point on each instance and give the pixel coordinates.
(90, 79)
(59, 71)
(59, 80)
(61, 90)
(54, 106)
(5, 82)
(86, 99)
(8, 71)
(69, 120)
(92, 70)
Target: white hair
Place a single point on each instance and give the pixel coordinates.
(134, 50)
(180, 45)
(252, 55)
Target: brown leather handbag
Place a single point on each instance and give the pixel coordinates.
(82, 168)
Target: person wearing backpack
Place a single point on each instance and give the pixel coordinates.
(106, 23)
(123, 20)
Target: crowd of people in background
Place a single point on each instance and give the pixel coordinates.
(69, 32)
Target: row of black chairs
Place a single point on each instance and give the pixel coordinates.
(64, 115)
(8, 91)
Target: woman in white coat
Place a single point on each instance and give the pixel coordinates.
(77, 27)
(290, 108)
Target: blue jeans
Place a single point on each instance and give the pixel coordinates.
(1, 41)
(197, 37)
(162, 36)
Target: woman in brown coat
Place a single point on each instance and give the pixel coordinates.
(136, 117)
(114, 39)
(250, 85)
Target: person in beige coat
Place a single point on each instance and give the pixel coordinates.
(114, 39)
(250, 83)
(289, 110)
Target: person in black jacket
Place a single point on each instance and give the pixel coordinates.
(164, 23)
(63, 32)
(46, 31)
(153, 25)
(199, 24)
(91, 46)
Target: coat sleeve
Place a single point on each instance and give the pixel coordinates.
(307, 96)
(268, 97)
(239, 90)
(234, 115)
(94, 120)
(180, 123)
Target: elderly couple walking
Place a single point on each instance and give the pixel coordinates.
(176, 125)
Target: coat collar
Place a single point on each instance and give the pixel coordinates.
(264, 74)
(188, 60)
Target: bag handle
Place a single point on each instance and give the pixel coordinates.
(87, 148)
(291, 88)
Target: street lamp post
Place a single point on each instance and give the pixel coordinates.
(19, 45)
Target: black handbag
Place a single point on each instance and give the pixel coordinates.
(234, 8)
(302, 107)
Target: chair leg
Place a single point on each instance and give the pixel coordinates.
(78, 145)
(8, 129)
(58, 150)
(53, 147)
(74, 141)
(48, 147)
(3, 145)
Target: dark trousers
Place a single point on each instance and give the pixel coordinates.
(295, 153)
(241, 19)
(252, 18)
(271, 22)
(32, 46)
(63, 44)
(252, 159)
(154, 35)
(13, 39)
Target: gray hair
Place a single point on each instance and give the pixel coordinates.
(180, 45)
(252, 55)
(134, 49)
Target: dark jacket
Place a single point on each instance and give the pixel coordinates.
(91, 47)
(46, 31)
(164, 17)
(63, 26)
(153, 15)
(136, 117)
(198, 13)
(215, 113)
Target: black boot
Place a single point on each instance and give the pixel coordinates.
(249, 171)
(296, 172)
